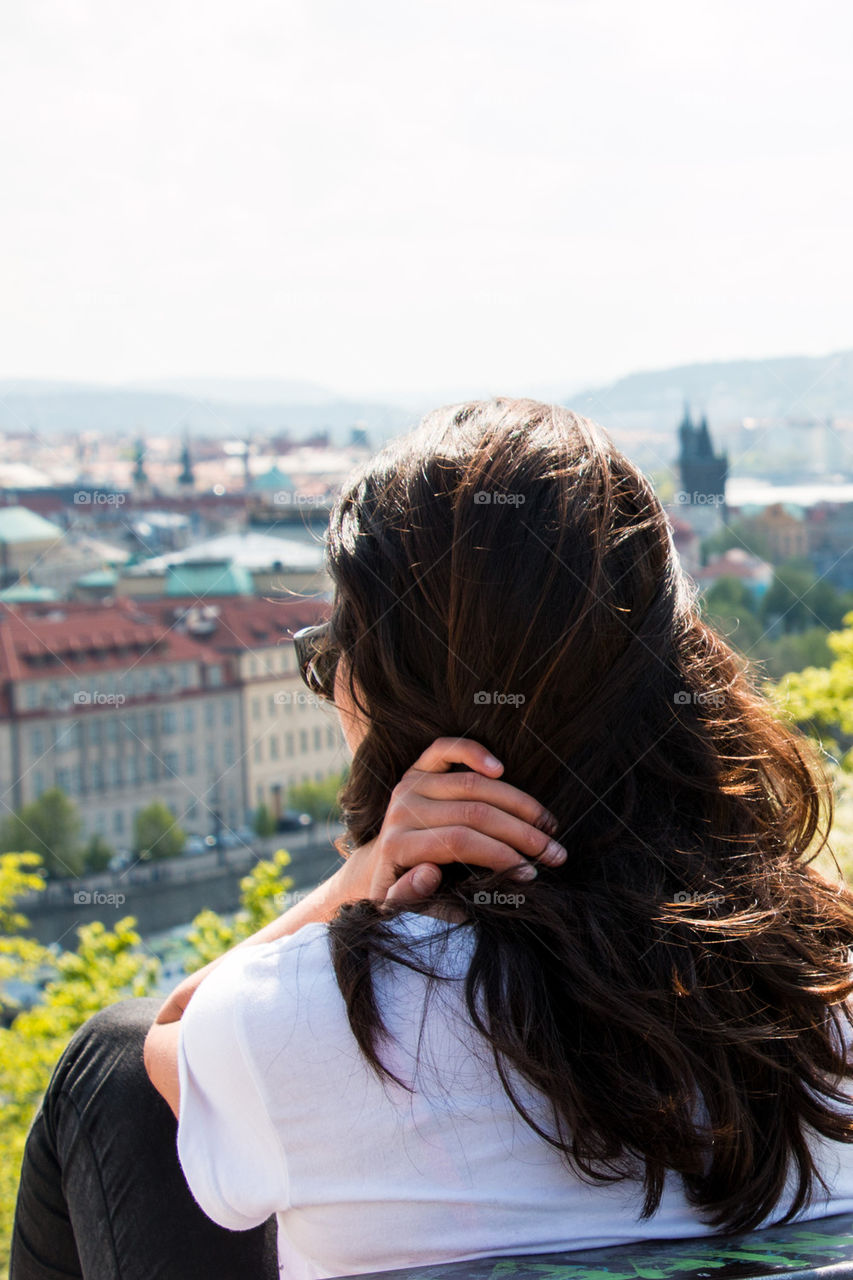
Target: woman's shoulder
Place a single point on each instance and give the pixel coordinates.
(291, 983)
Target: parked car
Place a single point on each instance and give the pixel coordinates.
(194, 846)
(292, 820)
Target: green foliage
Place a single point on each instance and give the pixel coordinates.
(97, 853)
(263, 822)
(49, 826)
(156, 833)
(788, 628)
(262, 895)
(799, 600)
(819, 700)
(740, 533)
(320, 799)
(107, 965)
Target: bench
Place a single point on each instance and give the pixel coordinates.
(820, 1249)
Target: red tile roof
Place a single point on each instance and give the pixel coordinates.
(83, 636)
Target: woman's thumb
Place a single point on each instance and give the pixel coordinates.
(419, 882)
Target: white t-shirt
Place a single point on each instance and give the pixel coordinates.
(279, 1113)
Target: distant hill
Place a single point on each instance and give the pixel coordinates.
(206, 407)
(786, 386)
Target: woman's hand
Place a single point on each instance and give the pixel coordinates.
(436, 816)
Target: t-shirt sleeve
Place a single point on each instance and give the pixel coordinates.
(228, 1147)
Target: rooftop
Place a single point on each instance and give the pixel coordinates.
(19, 524)
(256, 552)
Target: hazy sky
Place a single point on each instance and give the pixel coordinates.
(390, 197)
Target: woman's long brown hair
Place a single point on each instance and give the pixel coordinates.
(676, 988)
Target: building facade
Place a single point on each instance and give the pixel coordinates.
(195, 704)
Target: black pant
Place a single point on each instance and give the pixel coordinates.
(102, 1194)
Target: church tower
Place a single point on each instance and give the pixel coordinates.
(702, 499)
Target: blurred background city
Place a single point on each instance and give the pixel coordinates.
(246, 245)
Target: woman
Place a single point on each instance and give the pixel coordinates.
(474, 1039)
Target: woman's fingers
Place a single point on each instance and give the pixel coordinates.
(500, 795)
(444, 752)
(489, 821)
(446, 844)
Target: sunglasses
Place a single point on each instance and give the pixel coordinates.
(317, 659)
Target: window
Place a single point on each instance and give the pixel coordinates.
(152, 767)
(330, 737)
(116, 771)
(38, 782)
(259, 750)
(172, 764)
(259, 792)
(210, 714)
(210, 756)
(189, 719)
(96, 732)
(37, 742)
(214, 676)
(303, 742)
(190, 760)
(228, 713)
(271, 705)
(135, 771)
(274, 746)
(97, 776)
(229, 751)
(288, 744)
(253, 667)
(149, 724)
(118, 822)
(318, 739)
(169, 720)
(256, 708)
(33, 692)
(63, 779)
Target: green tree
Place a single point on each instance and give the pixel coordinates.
(263, 896)
(156, 833)
(743, 533)
(49, 826)
(97, 853)
(320, 799)
(819, 700)
(263, 822)
(107, 965)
